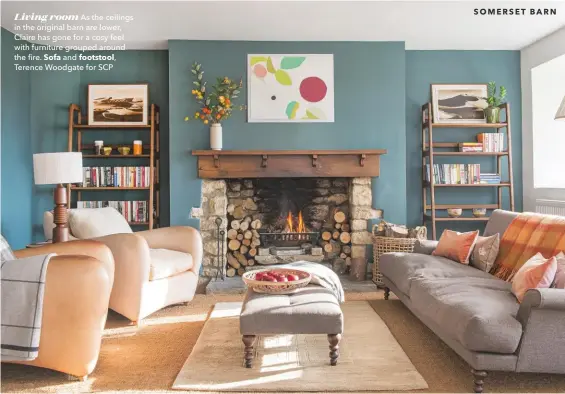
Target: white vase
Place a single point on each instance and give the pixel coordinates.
(216, 136)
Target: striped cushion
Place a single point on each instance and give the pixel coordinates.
(6, 253)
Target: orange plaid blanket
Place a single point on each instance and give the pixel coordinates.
(527, 235)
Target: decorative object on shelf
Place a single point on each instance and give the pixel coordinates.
(454, 212)
(58, 169)
(479, 212)
(119, 104)
(560, 114)
(107, 150)
(215, 106)
(124, 150)
(277, 280)
(216, 136)
(290, 88)
(463, 103)
(492, 112)
(137, 147)
(98, 145)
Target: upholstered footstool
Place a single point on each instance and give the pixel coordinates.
(311, 310)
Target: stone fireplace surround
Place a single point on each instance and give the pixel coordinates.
(215, 193)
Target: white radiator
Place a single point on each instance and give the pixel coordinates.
(550, 207)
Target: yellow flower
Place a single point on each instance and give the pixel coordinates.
(197, 114)
(186, 118)
(222, 99)
(205, 121)
(226, 80)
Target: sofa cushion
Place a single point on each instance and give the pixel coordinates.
(402, 268)
(456, 246)
(166, 263)
(97, 222)
(477, 312)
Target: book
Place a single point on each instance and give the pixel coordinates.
(116, 177)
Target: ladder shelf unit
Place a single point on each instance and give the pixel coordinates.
(430, 152)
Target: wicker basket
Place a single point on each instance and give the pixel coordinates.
(388, 244)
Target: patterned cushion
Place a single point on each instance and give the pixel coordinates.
(559, 282)
(456, 246)
(537, 273)
(485, 252)
(6, 253)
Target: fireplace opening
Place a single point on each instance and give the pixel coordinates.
(286, 219)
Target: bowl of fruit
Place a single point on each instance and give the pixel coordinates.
(276, 280)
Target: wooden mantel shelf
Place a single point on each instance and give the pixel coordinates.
(288, 163)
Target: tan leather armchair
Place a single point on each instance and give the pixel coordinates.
(75, 307)
(153, 268)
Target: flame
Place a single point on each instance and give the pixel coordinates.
(290, 222)
(301, 228)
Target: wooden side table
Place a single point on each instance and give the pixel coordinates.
(39, 244)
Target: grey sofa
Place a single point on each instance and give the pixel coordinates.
(476, 314)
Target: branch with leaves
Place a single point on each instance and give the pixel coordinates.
(215, 105)
(492, 99)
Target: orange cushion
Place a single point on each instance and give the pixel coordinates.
(456, 246)
(537, 273)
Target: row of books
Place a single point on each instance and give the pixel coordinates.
(487, 142)
(452, 174)
(490, 179)
(133, 211)
(116, 177)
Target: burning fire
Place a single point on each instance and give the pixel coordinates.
(300, 228)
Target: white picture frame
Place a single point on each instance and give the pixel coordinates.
(293, 88)
(458, 103)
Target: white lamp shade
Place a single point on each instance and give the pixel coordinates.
(561, 111)
(55, 168)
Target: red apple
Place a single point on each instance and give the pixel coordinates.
(269, 278)
(282, 278)
(293, 277)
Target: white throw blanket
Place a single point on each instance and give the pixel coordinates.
(23, 286)
(321, 275)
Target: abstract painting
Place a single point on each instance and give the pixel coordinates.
(118, 104)
(459, 103)
(290, 88)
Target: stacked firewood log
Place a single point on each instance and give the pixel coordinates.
(243, 241)
(337, 242)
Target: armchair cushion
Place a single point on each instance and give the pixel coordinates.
(166, 263)
(90, 223)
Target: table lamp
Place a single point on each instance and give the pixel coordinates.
(560, 115)
(58, 169)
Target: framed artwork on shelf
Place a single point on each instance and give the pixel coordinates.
(459, 103)
(290, 88)
(118, 104)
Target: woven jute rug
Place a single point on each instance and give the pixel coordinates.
(370, 358)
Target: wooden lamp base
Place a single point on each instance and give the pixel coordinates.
(61, 230)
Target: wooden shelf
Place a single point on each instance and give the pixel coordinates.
(107, 127)
(473, 185)
(463, 206)
(427, 153)
(114, 156)
(468, 125)
(459, 219)
(431, 150)
(138, 223)
(108, 188)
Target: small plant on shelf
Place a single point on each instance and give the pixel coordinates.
(492, 112)
(216, 104)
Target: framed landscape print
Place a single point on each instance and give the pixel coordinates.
(290, 88)
(464, 103)
(117, 105)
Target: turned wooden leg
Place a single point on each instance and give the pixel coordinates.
(334, 347)
(479, 380)
(248, 341)
(387, 293)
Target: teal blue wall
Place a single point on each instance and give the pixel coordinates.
(369, 113)
(52, 92)
(426, 67)
(379, 88)
(16, 159)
